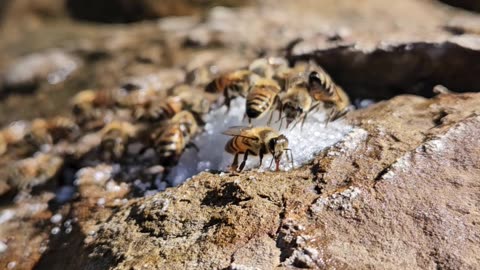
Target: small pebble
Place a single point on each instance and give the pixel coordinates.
(57, 218)
(11, 265)
(55, 230)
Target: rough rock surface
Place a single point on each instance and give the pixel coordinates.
(400, 192)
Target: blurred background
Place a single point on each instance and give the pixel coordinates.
(99, 43)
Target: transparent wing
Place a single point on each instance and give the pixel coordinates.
(239, 131)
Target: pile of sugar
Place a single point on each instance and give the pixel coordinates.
(305, 142)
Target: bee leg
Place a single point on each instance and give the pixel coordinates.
(294, 125)
(316, 106)
(234, 165)
(331, 116)
(193, 145)
(279, 107)
(227, 100)
(303, 120)
(270, 118)
(245, 156)
(341, 114)
(271, 163)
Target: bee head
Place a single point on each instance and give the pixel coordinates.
(292, 111)
(277, 146)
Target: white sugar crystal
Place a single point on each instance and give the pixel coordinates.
(305, 143)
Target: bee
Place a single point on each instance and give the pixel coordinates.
(256, 141)
(33, 171)
(202, 75)
(283, 74)
(262, 98)
(115, 138)
(297, 102)
(233, 84)
(323, 89)
(156, 109)
(193, 99)
(51, 131)
(267, 67)
(171, 139)
(90, 105)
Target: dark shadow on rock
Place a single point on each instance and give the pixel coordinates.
(412, 68)
(228, 193)
(472, 5)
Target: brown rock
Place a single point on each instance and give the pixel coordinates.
(400, 196)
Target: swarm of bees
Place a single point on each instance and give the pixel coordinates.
(166, 121)
(270, 85)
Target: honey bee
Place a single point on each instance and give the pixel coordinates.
(297, 102)
(267, 67)
(283, 74)
(262, 98)
(256, 141)
(156, 109)
(171, 139)
(33, 171)
(323, 89)
(115, 139)
(194, 100)
(231, 84)
(91, 105)
(202, 75)
(50, 131)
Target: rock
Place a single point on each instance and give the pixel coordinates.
(357, 206)
(31, 217)
(472, 5)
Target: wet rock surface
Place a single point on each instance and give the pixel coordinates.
(400, 191)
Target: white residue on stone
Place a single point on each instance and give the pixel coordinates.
(98, 175)
(435, 145)
(162, 204)
(305, 143)
(6, 215)
(3, 247)
(400, 165)
(338, 201)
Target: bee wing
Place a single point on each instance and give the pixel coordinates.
(237, 131)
